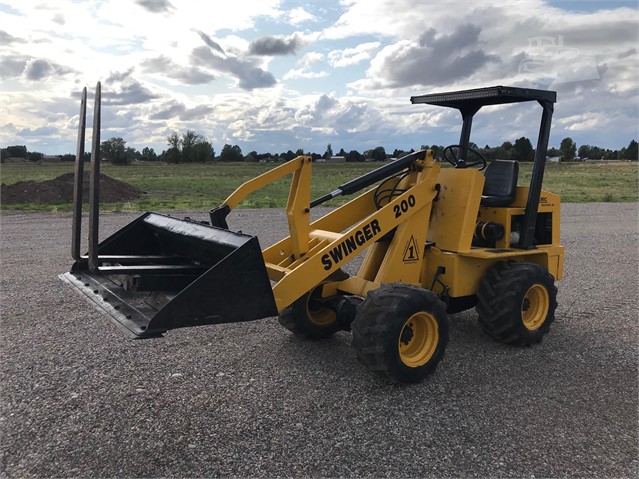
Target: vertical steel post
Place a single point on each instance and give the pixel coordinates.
(78, 180)
(530, 216)
(464, 138)
(94, 183)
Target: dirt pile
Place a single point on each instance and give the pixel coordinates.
(60, 190)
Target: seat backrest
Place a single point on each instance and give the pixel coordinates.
(501, 183)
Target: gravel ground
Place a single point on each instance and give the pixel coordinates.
(81, 400)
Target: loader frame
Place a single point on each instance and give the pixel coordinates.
(423, 230)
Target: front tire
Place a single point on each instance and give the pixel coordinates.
(309, 318)
(401, 331)
(517, 302)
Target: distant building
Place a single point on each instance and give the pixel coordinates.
(553, 159)
(337, 159)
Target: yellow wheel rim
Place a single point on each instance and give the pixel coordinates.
(534, 307)
(418, 339)
(319, 315)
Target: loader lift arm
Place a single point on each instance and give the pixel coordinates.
(298, 262)
(218, 214)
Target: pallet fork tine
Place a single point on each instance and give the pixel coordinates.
(76, 228)
(94, 183)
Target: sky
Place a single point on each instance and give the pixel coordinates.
(274, 75)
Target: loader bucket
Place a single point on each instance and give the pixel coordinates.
(160, 273)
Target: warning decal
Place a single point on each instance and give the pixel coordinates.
(411, 252)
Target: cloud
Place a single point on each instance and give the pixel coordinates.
(7, 39)
(12, 66)
(167, 111)
(627, 54)
(190, 76)
(332, 115)
(387, 18)
(304, 65)
(277, 123)
(499, 48)
(59, 19)
(38, 132)
(251, 77)
(605, 32)
(587, 121)
(38, 69)
(198, 113)
(119, 76)
(240, 133)
(155, 6)
(271, 45)
(157, 64)
(130, 93)
(432, 60)
(193, 76)
(209, 41)
(323, 104)
(297, 73)
(299, 15)
(352, 56)
(214, 57)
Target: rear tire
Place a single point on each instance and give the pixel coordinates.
(401, 332)
(517, 302)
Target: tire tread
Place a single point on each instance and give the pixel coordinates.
(372, 327)
(499, 303)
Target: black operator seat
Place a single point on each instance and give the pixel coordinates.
(501, 183)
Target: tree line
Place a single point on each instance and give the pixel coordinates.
(191, 147)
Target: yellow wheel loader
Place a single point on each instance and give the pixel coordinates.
(438, 238)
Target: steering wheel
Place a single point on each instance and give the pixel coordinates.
(451, 157)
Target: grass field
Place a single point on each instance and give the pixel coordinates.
(204, 186)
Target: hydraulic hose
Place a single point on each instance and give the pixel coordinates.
(371, 177)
